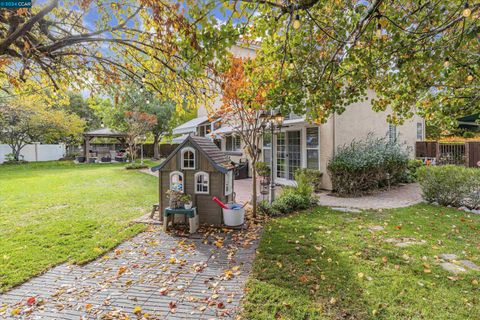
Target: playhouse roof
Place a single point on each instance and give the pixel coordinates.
(217, 158)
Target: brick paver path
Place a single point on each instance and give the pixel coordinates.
(152, 276)
(397, 197)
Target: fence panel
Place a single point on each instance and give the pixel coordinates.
(473, 154)
(426, 149)
(452, 153)
(36, 152)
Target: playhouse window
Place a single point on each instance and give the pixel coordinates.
(176, 181)
(188, 158)
(201, 182)
(228, 182)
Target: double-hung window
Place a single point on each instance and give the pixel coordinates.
(202, 182)
(312, 148)
(232, 143)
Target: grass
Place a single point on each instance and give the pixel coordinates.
(55, 212)
(325, 264)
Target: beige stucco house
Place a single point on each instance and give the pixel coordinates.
(300, 144)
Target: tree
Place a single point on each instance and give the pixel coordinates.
(138, 124)
(160, 44)
(243, 98)
(418, 56)
(164, 112)
(79, 105)
(25, 121)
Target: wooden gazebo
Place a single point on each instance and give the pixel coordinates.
(100, 133)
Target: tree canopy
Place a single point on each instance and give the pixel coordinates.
(418, 56)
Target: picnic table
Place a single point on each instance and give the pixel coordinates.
(190, 214)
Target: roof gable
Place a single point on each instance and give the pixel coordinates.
(208, 149)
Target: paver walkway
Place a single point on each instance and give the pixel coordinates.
(397, 197)
(152, 276)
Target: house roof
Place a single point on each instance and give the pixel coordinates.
(209, 149)
(105, 132)
(190, 126)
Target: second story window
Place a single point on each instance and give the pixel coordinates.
(188, 158)
(233, 143)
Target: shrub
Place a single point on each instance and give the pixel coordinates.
(314, 177)
(134, 166)
(366, 165)
(450, 185)
(262, 168)
(412, 168)
(289, 202)
(304, 185)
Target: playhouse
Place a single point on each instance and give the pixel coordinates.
(199, 168)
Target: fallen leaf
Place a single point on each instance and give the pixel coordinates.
(220, 305)
(172, 304)
(279, 264)
(384, 259)
(137, 310)
(88, 307)
(121, 270)
(14, 312)
(333, 300)
(303, 279)
(475, 282)
(31, 301)
(360, 275)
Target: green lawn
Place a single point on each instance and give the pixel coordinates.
(325, 264)
(56, 212)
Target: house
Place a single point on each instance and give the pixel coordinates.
(301, 144)
(197, 167)
(470, 123)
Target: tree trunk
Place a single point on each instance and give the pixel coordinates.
(156, 151)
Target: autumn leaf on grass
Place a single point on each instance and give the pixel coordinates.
(279, 264)
(360, 275)
(384, 259)
(121, 270)
(303, 278)
(426, 268)
(398, 227)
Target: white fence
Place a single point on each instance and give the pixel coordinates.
(36, 152)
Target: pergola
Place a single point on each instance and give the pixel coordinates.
(100, 133)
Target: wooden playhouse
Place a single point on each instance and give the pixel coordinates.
(199, 168)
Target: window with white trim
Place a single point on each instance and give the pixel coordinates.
(392, 133)
(419, 131)
(312, 148)
(176, 181)
(202, 182)
(233, 143)
(188, 158)
(229, 182)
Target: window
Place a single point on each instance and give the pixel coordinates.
(204, 129)
(312, 148)
(233, 143)
(392, 133)
(188, 158)
(201, 182)
(228, 182)
(267, 148)
(419, 131)
(176, 181)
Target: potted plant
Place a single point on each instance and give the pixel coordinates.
(174, 199)
(187, 201)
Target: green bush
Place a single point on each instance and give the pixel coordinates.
(450, 185)
(314, 177)
(289, 202)
(366, 165)
(262, 169)
(134, 166)
(412, 168)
